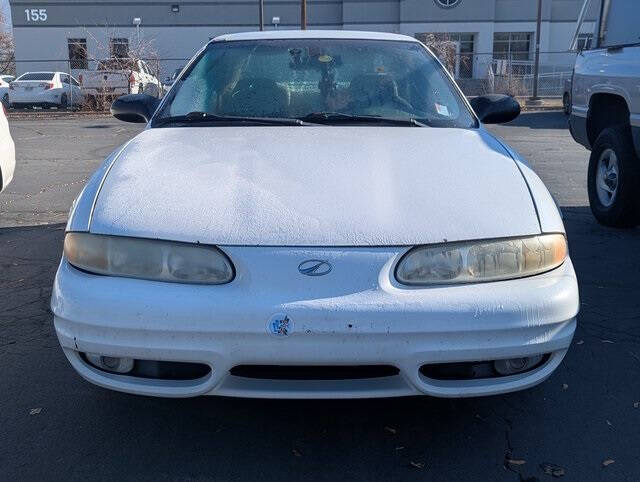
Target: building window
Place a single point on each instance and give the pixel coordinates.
(512, 45)
(447, 3)
(455, 51)
(78, 53)
(119, 48)
(584, 41)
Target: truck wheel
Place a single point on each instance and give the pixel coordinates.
(566, 103)
(614, 179)
(64, 102)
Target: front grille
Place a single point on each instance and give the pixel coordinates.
(330, 372)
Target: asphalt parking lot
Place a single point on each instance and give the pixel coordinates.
(581, 424)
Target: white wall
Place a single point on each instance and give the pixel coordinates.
(50, 44)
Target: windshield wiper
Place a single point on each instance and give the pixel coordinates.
(206, 117)
(341, 117)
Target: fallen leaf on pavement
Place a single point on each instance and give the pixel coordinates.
(552, 469)
(417, 465)
(390, 430)
(399, 448)
(609, 423)
(636, 405)
(296, 453)
(581, 342)
(565, 386)
(607, 341)
(35, 411)
(608, 462)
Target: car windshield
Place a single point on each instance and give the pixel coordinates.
(317, 80)
(37, 76)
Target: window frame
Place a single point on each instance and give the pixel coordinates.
(118, 42)
(464, 40)
(586, 39)
(78, 53)
(509, 53)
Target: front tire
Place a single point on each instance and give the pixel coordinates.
(64, 102)
(614, 179)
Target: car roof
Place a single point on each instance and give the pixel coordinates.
(313, 34)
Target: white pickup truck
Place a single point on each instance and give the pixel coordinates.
(605, 113)
(115, 77)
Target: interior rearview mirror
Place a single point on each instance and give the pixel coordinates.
(134, 107)
(495, 108)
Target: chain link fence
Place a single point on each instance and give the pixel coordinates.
(96, 86)
(512, 74)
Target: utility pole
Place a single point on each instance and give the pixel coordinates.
(303, 14)
(536, 67)
(261, 7)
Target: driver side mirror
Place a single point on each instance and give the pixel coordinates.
(495, 108)
(134, 107)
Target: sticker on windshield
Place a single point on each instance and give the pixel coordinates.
(442, 109)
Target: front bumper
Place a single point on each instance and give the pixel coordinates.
(353, 317)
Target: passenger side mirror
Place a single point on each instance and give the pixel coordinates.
(134, 107)
(495, 108)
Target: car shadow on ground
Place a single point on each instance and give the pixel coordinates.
(580, 417)
(541, 120)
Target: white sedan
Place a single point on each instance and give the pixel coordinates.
(45, 89)
(7, 151)
(5, 80)
(315, 215)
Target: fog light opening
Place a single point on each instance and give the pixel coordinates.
(513, 366)
(149, 369)
(483, 369)
(110, 363)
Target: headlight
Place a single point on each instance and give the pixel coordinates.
(477, 261)
(148, 259)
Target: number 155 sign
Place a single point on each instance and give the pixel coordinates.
(36, 14)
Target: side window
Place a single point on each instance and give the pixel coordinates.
(119, 48)
(78, 53)
(75, 82)
(64, 78)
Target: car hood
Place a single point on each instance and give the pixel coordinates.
(314, 186)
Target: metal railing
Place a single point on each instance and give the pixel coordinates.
(511, 74)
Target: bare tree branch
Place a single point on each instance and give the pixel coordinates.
(7, 53)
